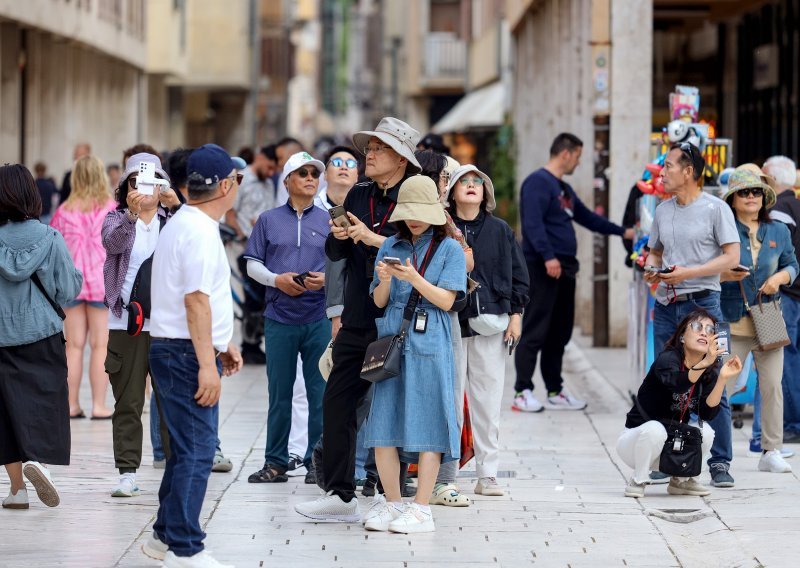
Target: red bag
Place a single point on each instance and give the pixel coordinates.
(467, 445)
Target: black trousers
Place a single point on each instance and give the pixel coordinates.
(343, 392)
(546, 326)
(252, 308)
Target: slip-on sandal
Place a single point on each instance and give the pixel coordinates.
(448, 494)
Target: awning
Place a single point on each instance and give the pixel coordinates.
(479, 109)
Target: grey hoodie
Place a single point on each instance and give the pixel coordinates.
(25, 314)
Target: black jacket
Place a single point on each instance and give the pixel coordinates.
(499, 268)
(359, 309)
(787, 210)
(665, 390)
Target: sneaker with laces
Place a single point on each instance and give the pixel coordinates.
(296, 468)
(755, 447)
(40, 478)
(413, 520)
(565, 401)
(330, 507)
(154, 548)
(369, 487)
(488, 486)
(448, 494)
(525, 402)
(383, 515)
(18, 500)
(374, 507)
(773, 461)
(687, 487)
(202, 559)
(634, 489)
(126, 487)
(720, 477)
(221, 464)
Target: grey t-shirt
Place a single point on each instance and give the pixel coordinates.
(691, 235)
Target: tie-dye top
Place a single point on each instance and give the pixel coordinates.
(81, 231)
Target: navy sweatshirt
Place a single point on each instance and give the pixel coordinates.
(547, 207)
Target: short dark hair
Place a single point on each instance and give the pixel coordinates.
(690, 156)
(286, 140)
(19, 196)
(565, 141)
(434, 142)
(439, 231)
(674, 342)
(139, 149)
(40, 168)
(269, 152)
(337, 149)
(246, 154)
(176, 166)
(201, 192)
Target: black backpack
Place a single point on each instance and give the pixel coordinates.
(139, 303)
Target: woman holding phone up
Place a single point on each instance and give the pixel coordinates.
(769, 259)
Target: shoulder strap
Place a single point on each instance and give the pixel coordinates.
(40, 286)
(413, 298)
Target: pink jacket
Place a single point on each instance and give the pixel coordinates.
(81, 232)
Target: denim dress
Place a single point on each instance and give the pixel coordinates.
(414, 411)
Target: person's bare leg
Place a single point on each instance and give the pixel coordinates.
(14, 471)
(98, 341)
(75, 327)
(429, 463)
(388, 463)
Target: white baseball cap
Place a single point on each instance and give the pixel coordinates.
(300, 159)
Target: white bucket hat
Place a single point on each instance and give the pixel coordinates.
(488, 187)
(396, 134)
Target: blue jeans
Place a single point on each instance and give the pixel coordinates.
(155, 431)
(283, 343)
(791, 365)
(665, 322)
(193, 437)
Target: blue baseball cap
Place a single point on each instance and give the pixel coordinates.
(209, 164)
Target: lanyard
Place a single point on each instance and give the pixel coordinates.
(421, 269)
(372, 216)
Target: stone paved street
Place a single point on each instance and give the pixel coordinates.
(564, 503)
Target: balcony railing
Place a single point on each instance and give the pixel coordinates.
(445, 56)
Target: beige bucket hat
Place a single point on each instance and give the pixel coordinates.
(396, 134)
(488, 187)
(418, 200)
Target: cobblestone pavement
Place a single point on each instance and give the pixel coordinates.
(564, 504)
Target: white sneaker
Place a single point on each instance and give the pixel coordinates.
(126, 487)
(377, 505)
(380, 519)
(488, 486)
(774, 462)
(154, 548)
(18, 500)
(634, 489)
(413, 520)
(200, 560)
(525, 402)
(40, 478)
(330, 507)
(565, 401)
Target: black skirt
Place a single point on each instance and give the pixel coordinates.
(34, 402)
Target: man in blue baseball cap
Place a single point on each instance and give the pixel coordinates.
(191, 330)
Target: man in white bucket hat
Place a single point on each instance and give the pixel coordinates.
(389, 156)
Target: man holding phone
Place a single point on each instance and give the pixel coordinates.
(286, 252)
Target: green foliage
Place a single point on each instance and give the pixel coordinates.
(501, 157)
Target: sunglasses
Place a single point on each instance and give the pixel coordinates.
(350, 163)
(305, 172)
(239, 178)
(698, 327)
(748, 191)
(475, 181)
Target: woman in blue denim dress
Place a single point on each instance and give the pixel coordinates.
(414, 411)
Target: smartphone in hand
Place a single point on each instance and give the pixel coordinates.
(724, 337)
(300, 279)
(339, 217)
(391, 260)
(740, 268)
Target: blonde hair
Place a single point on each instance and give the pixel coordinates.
(89, 184)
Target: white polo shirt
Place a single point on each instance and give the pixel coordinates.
(190, 258)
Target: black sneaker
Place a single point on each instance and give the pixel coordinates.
(720, 476)
(408, 490)
(369, 487)
(269, 474)
(311, 476)
(295, 467)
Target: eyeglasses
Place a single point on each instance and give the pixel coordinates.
(748, 191)
(698, 327)
(349, 162)
(475, 181)
(377, 149)
(239, 178)
(304, 172)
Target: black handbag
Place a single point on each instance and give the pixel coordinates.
(682, 454)
(383, 356)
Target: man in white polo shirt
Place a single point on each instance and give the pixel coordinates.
(191, 326)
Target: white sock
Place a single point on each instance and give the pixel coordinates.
(424, 508)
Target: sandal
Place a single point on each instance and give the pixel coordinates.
(269, 474)
(448, 494)
(221, 463)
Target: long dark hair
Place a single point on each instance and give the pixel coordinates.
(19, 196)
(675, 342)
(439, 231)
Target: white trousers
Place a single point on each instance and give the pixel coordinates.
(298, 435)
(640, 447)
(483, 372)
